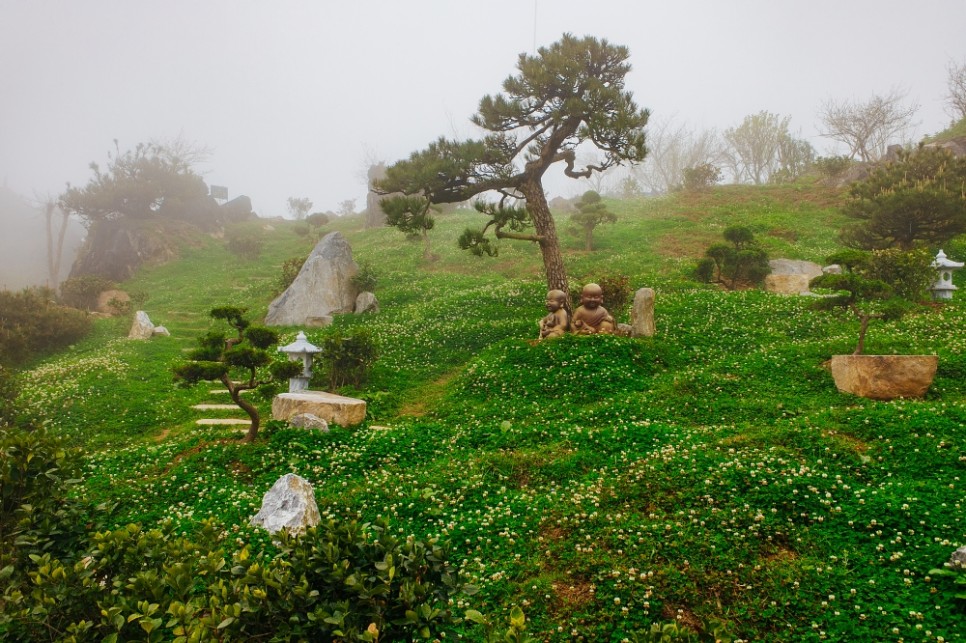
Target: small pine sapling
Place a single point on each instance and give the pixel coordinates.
(238, 362)
(858, 290)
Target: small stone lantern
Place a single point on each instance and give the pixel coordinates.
(943, 288)
(300, 349)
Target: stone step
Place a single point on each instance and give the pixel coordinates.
(225, 421)
(215, 407)
(224, 391)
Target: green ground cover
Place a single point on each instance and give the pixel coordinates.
(710, 475)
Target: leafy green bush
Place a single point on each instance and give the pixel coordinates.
(700, 177)
(909, 273)
(245, 243)
(82, 292)
(366, 279)
(8, 396)
(37, 473)
(32, 324)
(346, 357)
(338, 581)
(832, 167)
(616, 289)
(317, 219)
(290, 270)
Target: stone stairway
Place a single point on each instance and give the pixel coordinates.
(209, 408)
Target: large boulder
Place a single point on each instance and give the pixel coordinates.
(791, 277)
(115, 249)
(334, 409)
(141, 327)
(884, 377)
(289, 504)
(323, 286)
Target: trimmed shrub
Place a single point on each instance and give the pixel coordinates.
(32, 325)
(246, 244)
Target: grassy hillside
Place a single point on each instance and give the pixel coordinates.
(710, 475)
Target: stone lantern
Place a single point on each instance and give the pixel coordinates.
(300, 349)
(943, 288)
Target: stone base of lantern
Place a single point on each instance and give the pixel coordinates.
(334, 409)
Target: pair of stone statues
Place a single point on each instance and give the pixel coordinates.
(590, 317)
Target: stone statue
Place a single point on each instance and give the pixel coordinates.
(557, 322)
(591, 317)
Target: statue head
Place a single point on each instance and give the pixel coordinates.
(592, 296)
(556, 300)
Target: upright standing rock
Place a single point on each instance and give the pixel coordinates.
(323, 286)
(642, 314)
(142, 328)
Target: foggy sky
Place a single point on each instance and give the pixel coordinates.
(293, 97)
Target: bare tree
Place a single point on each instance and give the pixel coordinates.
(956, 82)
(755, 147)
(868, 128)
(55, 240)
(299, 207)
(673, 149)
(347, 208)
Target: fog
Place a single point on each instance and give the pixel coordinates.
(294, 98)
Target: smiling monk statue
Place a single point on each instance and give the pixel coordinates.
(557, 321)
(591, 317)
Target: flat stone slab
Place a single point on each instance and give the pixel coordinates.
(214, 407)
(334, 409)
(226, 421)
(884, 377)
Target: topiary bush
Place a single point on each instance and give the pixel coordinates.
(739, 262)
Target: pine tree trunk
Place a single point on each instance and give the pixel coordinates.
(549, 245)
(235, 393)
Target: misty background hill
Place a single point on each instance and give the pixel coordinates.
(23, 244)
